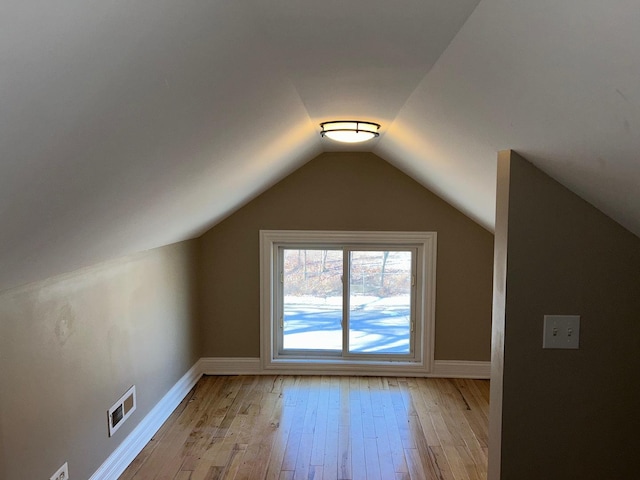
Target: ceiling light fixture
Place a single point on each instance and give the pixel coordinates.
(349, 131)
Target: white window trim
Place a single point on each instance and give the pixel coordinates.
(427, 241)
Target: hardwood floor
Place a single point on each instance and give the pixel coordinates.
(329, 427)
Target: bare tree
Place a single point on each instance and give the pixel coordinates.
(385, 255)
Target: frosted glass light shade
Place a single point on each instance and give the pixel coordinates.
(349, 131)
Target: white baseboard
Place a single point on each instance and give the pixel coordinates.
(253, 366)
(231, 366)
(131, 446)
(461, 369)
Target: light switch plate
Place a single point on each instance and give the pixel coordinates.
(561, 331)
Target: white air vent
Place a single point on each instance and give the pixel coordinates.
(121, 410)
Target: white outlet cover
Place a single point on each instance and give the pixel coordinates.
(62, 473)
(561, 331)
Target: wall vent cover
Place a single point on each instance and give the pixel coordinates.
(121, 410)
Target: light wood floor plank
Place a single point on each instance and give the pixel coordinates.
(393, 432)
(322, 419)
(344, 452)
(330, 457)
(322, 427)
(385, 455)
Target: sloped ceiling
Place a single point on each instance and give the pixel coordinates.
(129, 125)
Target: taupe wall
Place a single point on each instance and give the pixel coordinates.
(72, 345)
(346, 191)
(568, 414)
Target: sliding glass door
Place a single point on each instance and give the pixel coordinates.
(380, 301)
(311, 300)
(344, 301)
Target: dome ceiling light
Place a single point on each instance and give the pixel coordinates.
(349, 131)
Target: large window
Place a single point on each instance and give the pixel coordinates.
(348, 299)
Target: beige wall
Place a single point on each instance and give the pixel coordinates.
(567, 414)
(71, 346)
(346, 191)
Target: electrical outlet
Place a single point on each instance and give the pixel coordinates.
(62, 473)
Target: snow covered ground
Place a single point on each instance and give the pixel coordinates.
(377, 325)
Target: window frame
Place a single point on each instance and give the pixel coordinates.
(345, 353)
(421, 359)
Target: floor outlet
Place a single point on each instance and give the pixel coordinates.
(62, 473)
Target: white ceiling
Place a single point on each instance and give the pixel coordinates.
(130, 125)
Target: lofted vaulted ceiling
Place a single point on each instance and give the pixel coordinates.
(127, 125)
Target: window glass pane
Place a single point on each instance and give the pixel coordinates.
(380, 302)
(312, 306)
